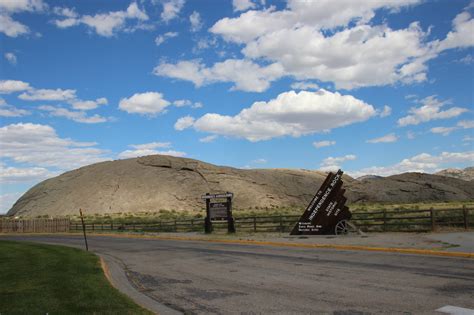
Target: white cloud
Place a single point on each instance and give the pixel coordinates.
(149, 149)
(443, 130)
(430, 109)
(334, 163)
(171, 9)
(48, 95)
(13, 28)
(387, 111)
(13, 6)
(468, 139)
(148, 103)
(466, 124)
(11, 58)
(77, 116)
(242, 5)
(291, 113)
(467, 60)
(7, 200)
(11, 86)
(39, 145)
(246, 75)
(88, 105)
(7, 110)
(184, 122)
(196, 22)
(304, 85)
(296, 41)
(385, 139)
(160, 39)
(208, 139)
(9, 175)
(259, 161)
(461, 35)
(182, 103)
(424, 163)
(325, 143)
(104, 24)
(463, 124)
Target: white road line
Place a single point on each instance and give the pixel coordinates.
(454, 310)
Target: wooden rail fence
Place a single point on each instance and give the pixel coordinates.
(382, 220)
(34, 225)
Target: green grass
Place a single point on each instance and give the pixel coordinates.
(47, 279)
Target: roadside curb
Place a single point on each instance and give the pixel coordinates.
(414, 251)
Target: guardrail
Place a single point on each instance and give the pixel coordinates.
(381, 220)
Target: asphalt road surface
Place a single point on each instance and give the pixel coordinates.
(212, 278)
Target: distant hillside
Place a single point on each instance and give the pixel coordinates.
(466, 174)
(157, 182)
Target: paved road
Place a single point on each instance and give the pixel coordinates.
(201, 277)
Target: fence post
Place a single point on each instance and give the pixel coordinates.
(255, 224)
(464, 212)
(384, 226)
(433, 220)
(175, 226)
(192, 224)
(281, 224)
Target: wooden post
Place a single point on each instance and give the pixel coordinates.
(433, 220)
(175, 226)
(384, 226)
(465, 215)
(281, 224)
(84, 229)
(255, 224)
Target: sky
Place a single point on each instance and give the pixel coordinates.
(372, 87)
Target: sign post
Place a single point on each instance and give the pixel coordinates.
(326, 212)
(84, 229)
(218, 209)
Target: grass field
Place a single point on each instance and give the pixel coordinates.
(147, 217)
(46, 279)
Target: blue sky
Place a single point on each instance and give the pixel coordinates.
(373, 87)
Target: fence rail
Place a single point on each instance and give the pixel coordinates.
(383, 220)
(34, 225)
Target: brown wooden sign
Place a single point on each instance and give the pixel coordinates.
(326, 210)
(218, 207)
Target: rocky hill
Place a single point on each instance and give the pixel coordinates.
(157, 182)
(466, 174)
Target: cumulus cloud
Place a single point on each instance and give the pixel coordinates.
(11, 86)
(431, 109)
(40, 146)
(11, 58)
(184, 102)
(149, 149)
(208, 139)
(423, 163)
(171, 9)
(13, 28)
(160, 39)
(384, 139)
(77, 116)
(463, 124)
(290, 114)
(246, 75)
(10, 175)
(387, 111)
(184, 122)
(196, 22)
(304, 85)
(322, 144)
(88, 105)
(48, 95)
(295, 42)
(242, 5)
(7, 110)
(104, 24)
(148, 103)
(334, 163)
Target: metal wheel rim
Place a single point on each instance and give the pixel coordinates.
(342, 228)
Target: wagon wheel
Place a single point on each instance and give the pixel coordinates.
(342, 228)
